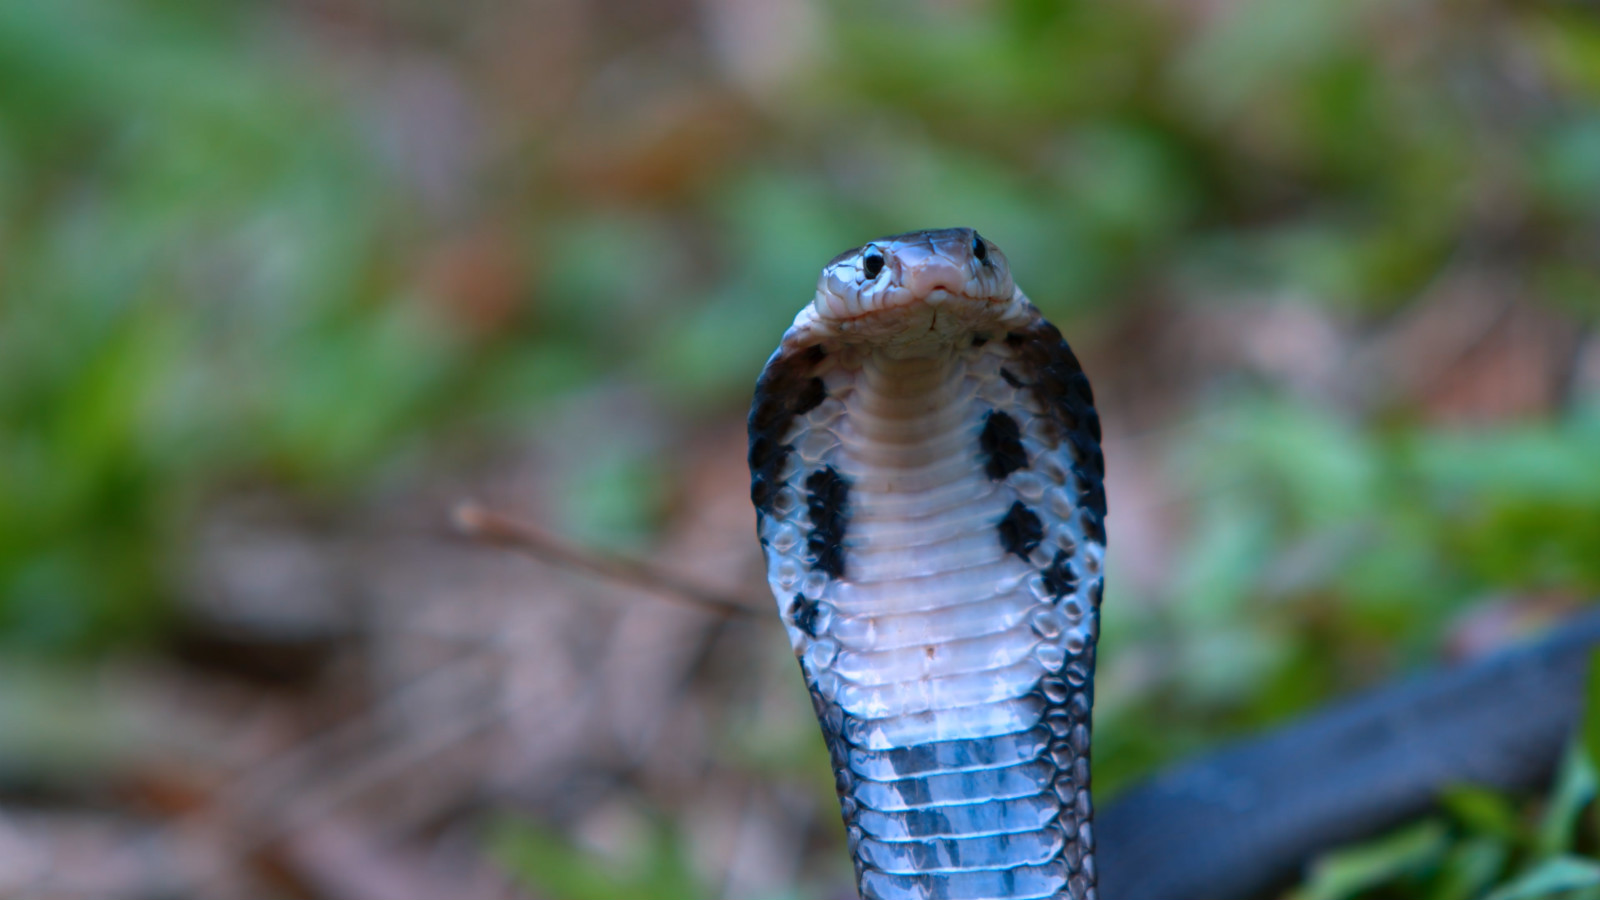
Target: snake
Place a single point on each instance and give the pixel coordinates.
(926, 470)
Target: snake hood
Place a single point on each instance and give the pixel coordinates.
(926, 470)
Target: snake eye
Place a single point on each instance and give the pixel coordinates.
(872, 264)
(980, 250)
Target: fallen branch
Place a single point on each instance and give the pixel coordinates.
(1245, 819)
(497, 529)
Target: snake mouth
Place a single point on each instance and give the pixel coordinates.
(900, 317)
(904, 303)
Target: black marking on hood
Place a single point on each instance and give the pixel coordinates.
(811, 397)
(1001, 443)
(1094, 528)
(787, 388)
(1093, 496)
(1021, 530)
(1060, 386)
(1059, 579)
(803, 613)
(828, 502)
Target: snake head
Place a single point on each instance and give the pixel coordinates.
(916, 290)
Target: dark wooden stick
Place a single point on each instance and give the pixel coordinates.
(500, 530)
(1244, 820)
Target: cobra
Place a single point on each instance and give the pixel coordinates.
(926, 470)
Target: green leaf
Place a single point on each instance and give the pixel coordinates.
(1551, 878)
(1470, 869)
(1591, 712)
(1483, 811)
(1574, 790)
(1348, 873)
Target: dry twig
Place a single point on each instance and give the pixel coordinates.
(490, 527)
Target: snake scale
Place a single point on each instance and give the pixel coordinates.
(926, 470)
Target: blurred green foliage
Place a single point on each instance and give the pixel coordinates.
(211, 265)
(1332, 556)
(195, 289)
(1489, 847)
(217, 268)
(656, 869)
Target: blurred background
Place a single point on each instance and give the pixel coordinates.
(282, 282)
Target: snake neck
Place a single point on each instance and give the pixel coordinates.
(903, 415)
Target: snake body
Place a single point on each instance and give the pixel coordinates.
(926, 469)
